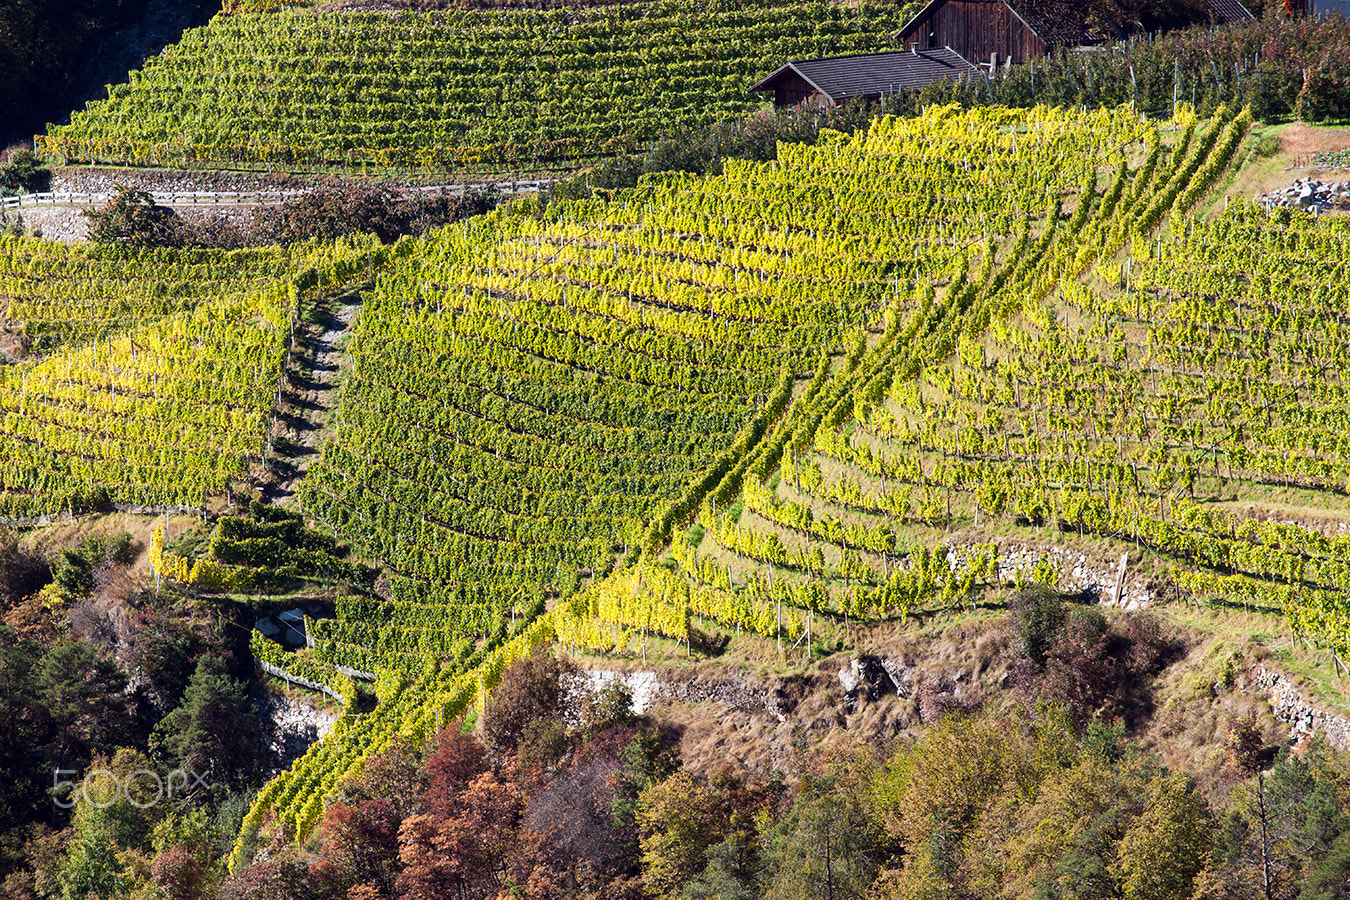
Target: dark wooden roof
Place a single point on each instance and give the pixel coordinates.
(872, 74)
(1059, 23)
(1226, 12)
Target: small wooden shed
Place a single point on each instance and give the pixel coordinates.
(834, 80)
(996, 31)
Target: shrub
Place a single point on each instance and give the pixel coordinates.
(1037, 612)
(22, 172)
(131, 219)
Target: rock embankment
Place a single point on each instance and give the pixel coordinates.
(1310, 194)
(1303, 718)
(68, 224)
(82, 180)
(649, 691)
(1078, 573)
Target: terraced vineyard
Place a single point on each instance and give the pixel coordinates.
(501, 91)
(1173, 400)
(155, 393)
(534, 400)
(72, 295)
(850, 385)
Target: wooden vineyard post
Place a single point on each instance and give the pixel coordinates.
(1120, 577)
(778, 613)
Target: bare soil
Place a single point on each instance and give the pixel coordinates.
(53, 538)
(1299, 140)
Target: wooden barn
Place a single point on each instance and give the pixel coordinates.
(834, 80)
(995, 32)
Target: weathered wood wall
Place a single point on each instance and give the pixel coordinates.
(790, 89)
(975, 29)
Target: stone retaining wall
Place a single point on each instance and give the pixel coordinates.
(1292, 708)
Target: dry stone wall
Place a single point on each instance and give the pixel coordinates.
(1303, 718)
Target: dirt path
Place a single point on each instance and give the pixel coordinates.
(308, 394)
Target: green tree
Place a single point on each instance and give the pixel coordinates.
(1329, 877)
(21, 172)
(25, 762)
(117, 805)
(1278, 824)
(823, 851)
(1167, 846)
(22, 571)
(211, 733)
(1038, 613)
(729, 874)
(85, 697)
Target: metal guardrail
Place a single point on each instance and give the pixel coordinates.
(247, 198)
(272, 669)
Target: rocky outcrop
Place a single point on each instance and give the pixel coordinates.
(868, 678)
(1310, 194)
(648, 690)
(1303, 718)
(290, 727)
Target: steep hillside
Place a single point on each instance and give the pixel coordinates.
(860, 398)
(467, 89)
(149, 378)
(534, 399)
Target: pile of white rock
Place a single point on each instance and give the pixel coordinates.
(1310, 194)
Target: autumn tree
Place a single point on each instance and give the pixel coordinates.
(531, 689)
(277, 874)
(678, 822)
(950, 778)
(1062, 842)
(1168, 844)
(360, 845)
(466, 854)
(458, 760)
